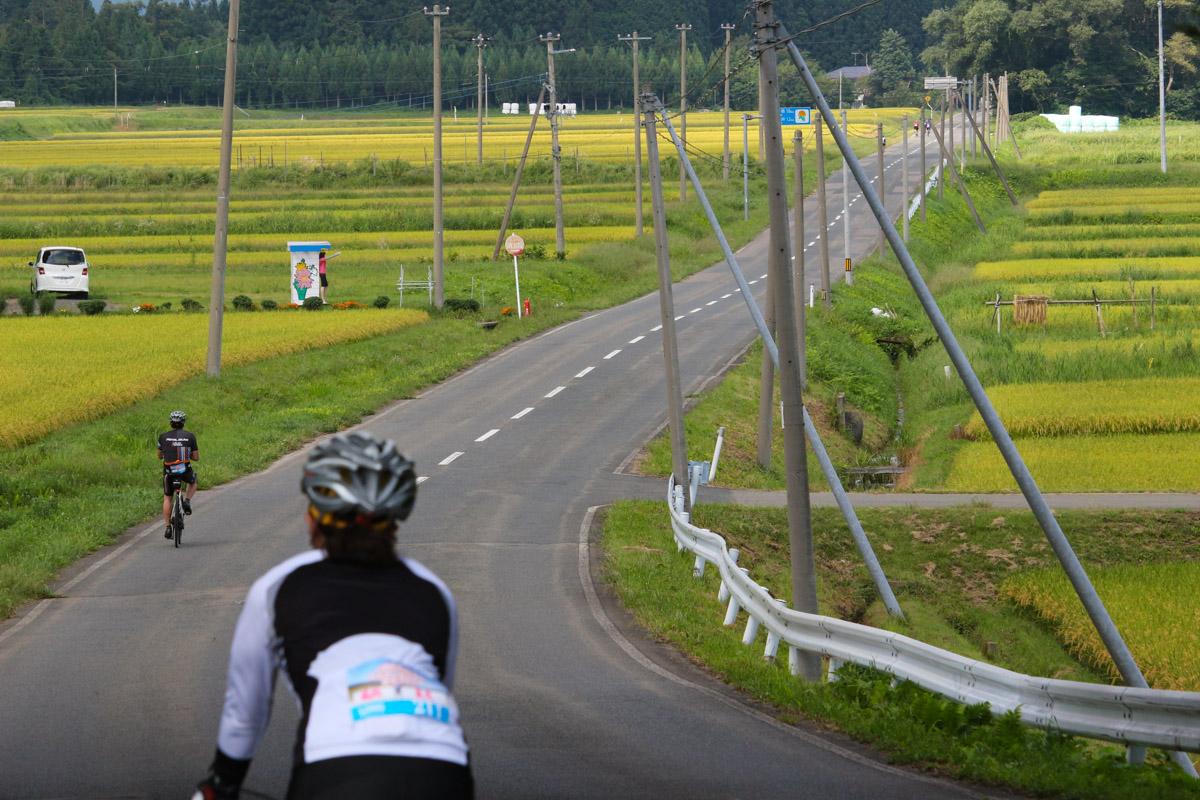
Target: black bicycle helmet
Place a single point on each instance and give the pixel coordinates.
(178, 417)
(359, 477)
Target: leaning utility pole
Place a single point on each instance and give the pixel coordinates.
(560, 242)
(512, 197)
(216, 302)
(439, 280)
(683, 29)
(637, 131)
(666, 303)
(804, 579)
(480, 43)
(725, 168)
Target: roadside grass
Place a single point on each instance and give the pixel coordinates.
(913, 727)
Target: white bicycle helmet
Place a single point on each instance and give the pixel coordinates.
(178, 417)
(358, 476)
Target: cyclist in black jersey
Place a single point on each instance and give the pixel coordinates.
(177, 449)
(365, 639)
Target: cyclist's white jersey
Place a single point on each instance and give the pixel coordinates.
(368, 652)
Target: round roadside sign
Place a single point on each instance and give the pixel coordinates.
(515, 245)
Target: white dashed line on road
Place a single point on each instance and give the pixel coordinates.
(520, 414)
(726, 296)
(694, 310)
(711, 303)
(610, 355)
(488, 435)
(636, 339)
(449, 458)
(553, 392)
(584, 372)
(656, 328)
(422, 479)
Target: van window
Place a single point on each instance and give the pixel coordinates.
(63, 258)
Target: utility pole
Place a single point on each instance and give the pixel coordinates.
(512, 197)
(846, 209)
(560, 242)
(439, 280)
(666, 304)
(637, 130)
(1162, 97)
(801, 287)
(725, 168)
(480, 43)
(683, 29)
(117, 115)
(941, 170)
(804, 579)
(822, 213)
(904, 184)
(924, 166)
(882, 192)
(216, 298)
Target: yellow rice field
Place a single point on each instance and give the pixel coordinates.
(1088, 268)
(1162, 405)
(1158, 462)
(117, 360)
(1155, 606)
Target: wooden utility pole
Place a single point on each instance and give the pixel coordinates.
(766, 386)
(637, 131)
(666, 304)
(439, 278)
(481, 97)
(216, 297)
(560, 242)
(117, 114)
(725, 168)
(987, 107)
(924, 166)
(941, 170)
(683, 29)
(804, 579)
(823, 212)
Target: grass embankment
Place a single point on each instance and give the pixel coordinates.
(948, 567)
(90, 482)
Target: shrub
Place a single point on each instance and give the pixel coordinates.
(243, 303)
(166, 306)
(535, 251)
(92, 307)
(459, 304)
(46, 304)
(269, 305)
(27, 302)
(191, 305)
(381, 301)
(313, 304)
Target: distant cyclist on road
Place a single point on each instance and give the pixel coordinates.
(365, 639)
(177, 450)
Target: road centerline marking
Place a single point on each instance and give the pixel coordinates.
(450, 458)
(522, 413)
(610, 355)
(636, 339)
(488, 435)
(555, 391)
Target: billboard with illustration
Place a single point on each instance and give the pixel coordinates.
(305, 278)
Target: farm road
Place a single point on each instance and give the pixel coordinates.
(112, 687)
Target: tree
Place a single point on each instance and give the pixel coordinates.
(892, 74)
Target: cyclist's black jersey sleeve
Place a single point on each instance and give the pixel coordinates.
(177, 446)
(368, 651)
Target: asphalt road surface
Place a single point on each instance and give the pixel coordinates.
(113, 687)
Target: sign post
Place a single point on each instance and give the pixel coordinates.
(795, 116)
(515, 245)
(305, 278)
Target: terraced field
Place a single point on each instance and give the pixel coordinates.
(1097, 403)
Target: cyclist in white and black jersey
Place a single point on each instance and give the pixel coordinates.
(177, 449)
(365, 639)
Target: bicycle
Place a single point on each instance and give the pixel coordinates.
(177, 490)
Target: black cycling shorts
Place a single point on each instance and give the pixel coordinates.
(169, 480)
(381, 778)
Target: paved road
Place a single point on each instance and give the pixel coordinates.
(112, 688)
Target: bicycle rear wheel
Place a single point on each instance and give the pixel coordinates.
(177, 517)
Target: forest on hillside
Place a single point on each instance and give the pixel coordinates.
(1101, 54)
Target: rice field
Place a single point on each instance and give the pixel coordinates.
(117, 360)
(1103, 405)
(1156, 607)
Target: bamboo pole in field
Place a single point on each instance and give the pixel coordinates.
(1099, 318)
(1133, 303)
(1151, 308)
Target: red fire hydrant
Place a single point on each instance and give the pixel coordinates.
(527, 307)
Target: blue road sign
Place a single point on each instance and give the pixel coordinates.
(795, 116)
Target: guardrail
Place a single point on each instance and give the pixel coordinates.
(1123, 714)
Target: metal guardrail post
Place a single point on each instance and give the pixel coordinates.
(1092, 603)
(814, 438)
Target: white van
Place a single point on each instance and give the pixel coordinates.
(59, 269)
